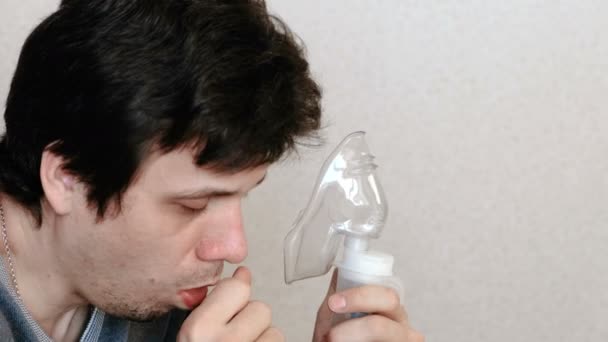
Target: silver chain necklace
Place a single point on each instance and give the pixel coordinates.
(7, 248)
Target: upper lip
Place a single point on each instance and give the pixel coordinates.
(212, 283)
(216, 278)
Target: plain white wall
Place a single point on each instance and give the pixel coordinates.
(488, 120)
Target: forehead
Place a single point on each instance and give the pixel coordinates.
(177, 171)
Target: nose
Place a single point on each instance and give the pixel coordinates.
(224, 239)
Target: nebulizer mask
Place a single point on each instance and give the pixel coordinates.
(347, 210)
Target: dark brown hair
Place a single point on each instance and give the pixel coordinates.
(103, 82)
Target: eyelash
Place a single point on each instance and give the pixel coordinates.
(193, 210)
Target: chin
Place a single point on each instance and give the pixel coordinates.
(136, 313)
(147, 317)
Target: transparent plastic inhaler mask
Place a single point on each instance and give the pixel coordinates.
(347, 208)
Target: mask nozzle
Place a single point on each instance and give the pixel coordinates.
(356, 243)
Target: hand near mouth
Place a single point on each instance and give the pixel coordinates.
(227, 313)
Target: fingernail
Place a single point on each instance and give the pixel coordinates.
(337, 302)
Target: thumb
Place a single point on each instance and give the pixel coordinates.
(243, 274)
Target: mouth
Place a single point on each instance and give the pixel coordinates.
(193, 297)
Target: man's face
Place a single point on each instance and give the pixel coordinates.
(177, 226)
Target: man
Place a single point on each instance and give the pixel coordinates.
(133, 130)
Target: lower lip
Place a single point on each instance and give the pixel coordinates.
(193, 297)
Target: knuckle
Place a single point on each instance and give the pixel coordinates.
(232, 334)
(262, 309)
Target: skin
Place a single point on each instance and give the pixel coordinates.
(228, 314)
(386, 321)
(177, 225)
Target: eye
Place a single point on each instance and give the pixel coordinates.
(193, 206)
(192, 210)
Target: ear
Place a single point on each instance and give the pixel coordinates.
(57, 184)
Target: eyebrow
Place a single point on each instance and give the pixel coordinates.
(209, 192)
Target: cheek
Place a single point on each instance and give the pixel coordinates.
(144, 242)
(161, 243)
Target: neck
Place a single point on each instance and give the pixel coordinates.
(44, 289)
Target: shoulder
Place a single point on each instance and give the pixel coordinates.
(6, 333)
(13, 326)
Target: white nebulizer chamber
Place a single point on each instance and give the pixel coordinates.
(347, 209)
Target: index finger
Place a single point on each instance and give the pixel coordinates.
(229, 297)
(242, 273)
